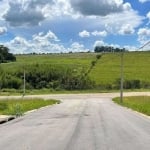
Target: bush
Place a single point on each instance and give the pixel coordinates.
(128, 84)
(98, 56)
(145, 84)
(47, 76)
(3, 106)
(17, 110)
(12, 82)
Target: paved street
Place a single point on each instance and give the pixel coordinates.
(80, 122)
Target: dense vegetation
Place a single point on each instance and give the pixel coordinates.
(77, 71)
(5, 56)
(138, 103)
(44, 75)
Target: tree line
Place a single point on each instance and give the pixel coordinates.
(99, 49)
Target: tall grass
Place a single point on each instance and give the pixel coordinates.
(138, 103)
(20, 106)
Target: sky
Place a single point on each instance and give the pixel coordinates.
(61, 26)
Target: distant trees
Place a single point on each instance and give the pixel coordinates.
(99, 49)
(5, 56)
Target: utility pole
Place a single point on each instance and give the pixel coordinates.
(121, 76)
(24, 83)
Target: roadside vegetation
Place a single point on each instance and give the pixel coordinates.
(138, 103)
(19, 106)
(75, 72)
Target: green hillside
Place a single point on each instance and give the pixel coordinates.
(105, 73)
(136, 67)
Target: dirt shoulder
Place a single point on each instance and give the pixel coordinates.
(72, 96)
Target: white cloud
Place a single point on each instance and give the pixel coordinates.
(49, 36)
(99, 33)
(3, 30)
(19, 41)
(77, 47)
(96, 17)
(102, 43)
(126, 29)
(42, 43)
(34, 12)
(84, 33)
(130, 48)
(143, 35)
(148, 17)
(99, 43)
(143, 1)
(116, 22)
(19, 45)
(3, 8)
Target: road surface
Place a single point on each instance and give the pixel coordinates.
(80, 122)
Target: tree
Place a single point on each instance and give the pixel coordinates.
(100, 49)
(5, 56)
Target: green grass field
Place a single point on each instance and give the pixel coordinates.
(138, 103)
(77, 60)
(107, 70)
(20, 106)
(136, 66)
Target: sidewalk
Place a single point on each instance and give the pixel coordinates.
(5, 118)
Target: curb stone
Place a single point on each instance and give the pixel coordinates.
(4, 119)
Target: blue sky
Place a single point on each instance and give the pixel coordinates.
(54, 26)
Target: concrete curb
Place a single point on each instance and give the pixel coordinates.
(4, 119)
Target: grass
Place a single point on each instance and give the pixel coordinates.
(107, 70)
(77, 59)
(138, 103)
(9, 92)
(136, 66)
(20, 106)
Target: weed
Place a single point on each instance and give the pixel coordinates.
(20, 106)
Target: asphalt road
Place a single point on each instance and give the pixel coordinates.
(89, 122)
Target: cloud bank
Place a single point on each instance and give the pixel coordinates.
(98, 7)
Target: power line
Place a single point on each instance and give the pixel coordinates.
(145, 45)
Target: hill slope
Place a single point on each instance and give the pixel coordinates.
(136, 67)
(106, 71)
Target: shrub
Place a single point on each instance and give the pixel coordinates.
(3, 106)
(16, 110)
(128, 84)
